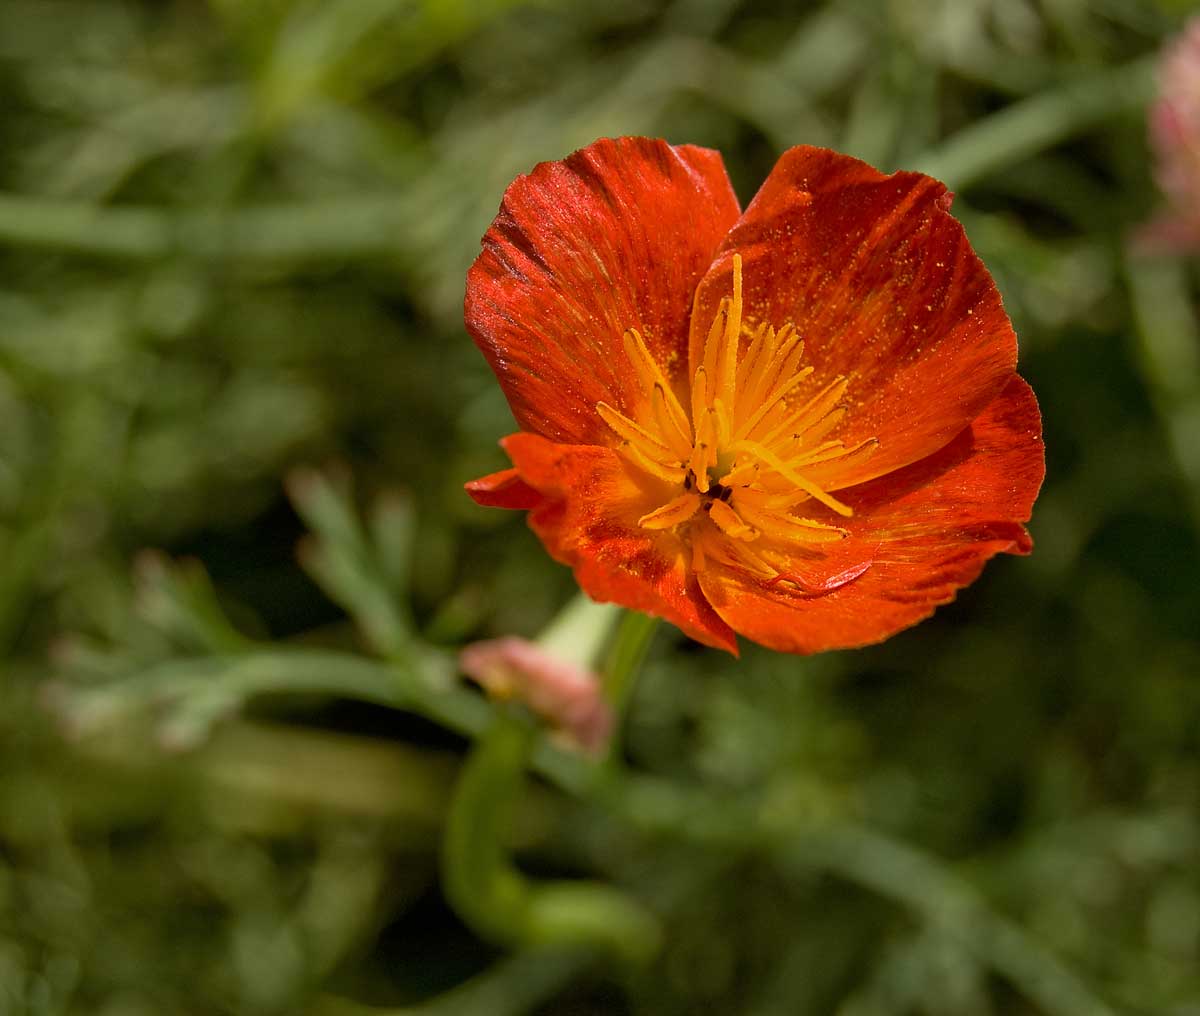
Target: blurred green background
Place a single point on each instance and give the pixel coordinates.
(233, 238)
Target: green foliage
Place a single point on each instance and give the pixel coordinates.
(233, 241)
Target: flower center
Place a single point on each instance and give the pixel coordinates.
(745, 452)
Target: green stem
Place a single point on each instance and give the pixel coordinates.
(579, 631)
(625, 658)
(624, 662)
(479, 880)
(498, 901)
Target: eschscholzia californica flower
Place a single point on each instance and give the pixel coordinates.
(1174, 121)
(800, 422)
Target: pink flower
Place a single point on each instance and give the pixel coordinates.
(1174, 122)
(564, 695)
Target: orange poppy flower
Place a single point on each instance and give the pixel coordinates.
(800, 422)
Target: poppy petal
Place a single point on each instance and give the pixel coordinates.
(504, 489)
(588, 520)
(880, 281)
(614, 237)
(925, 531)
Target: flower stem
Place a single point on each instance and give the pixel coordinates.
(624, 661)
(579, 631)
(479, 880)
(497, 900)
(626, 655)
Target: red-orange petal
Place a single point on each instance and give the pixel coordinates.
(927, 531)
(615, 236)
(880, 281)
(504, 489)
(588, 520)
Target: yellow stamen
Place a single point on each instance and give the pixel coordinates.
(842, 456)
(801, 455)
(770, 459)
(721, 425)
(712, 347)
(634, 433)
(703, 455)
(811, 412)
(790, 527)
(644, 364)
(753, 360)
(818, 430)
(698, 466)
(727, 370)
(739, 554)
(651, 375)
(699, 398)
(771, 401)
(729, 522)
(671, 474)
(672, 513)
(678, 436)
(736, 420)
(789, 348)
(742, 474)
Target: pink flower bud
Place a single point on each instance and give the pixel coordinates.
(566, 696)
(1174, 123)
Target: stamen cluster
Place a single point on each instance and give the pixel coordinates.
(739, 452)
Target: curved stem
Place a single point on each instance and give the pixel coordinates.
(497, 900)
(480, 882)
